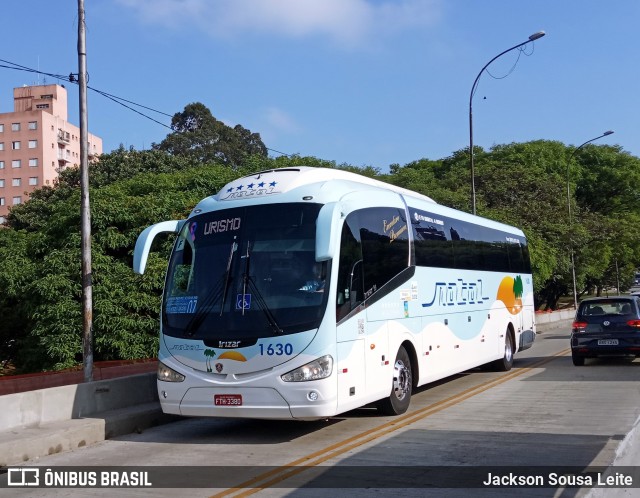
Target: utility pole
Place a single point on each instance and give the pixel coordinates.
(85, 213)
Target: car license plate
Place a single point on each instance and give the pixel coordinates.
(227, 399)
(608, 342)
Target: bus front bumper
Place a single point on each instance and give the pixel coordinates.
(245, 402)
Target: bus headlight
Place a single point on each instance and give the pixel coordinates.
(167, 374)
(314, 370)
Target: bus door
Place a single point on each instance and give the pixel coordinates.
(351, 332)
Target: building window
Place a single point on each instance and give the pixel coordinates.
(17, 200)
(1, 145)
(1, 128)
(15, 126)
(1, 201)
(15, 145)
(1, 164)
(16, 182)
(33, 180)
(42, 106)
(1, 182)
(33, 162)
(15, 163)
(33, 125)
(33, 144)
(47, 96)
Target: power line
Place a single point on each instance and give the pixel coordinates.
(72, 78)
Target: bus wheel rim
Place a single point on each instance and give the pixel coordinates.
(401, 379)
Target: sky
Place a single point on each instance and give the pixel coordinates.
(361, 82)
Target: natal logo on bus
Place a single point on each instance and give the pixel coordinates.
(457, 293)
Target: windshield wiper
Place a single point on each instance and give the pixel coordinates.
(212, 296)
(247, 281)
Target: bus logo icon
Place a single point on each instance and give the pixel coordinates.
(24, 477)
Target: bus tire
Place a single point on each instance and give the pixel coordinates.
(505, 363)
(401, 386)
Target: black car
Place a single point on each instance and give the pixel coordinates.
(606, 326)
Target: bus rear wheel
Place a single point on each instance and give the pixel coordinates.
(505, 363)
(401, 387)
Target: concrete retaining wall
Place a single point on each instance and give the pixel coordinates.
(46, 421)
(55, 404)
(555, 316)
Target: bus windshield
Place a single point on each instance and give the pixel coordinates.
(245, 273)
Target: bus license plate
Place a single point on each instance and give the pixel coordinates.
(227, 399)
(608, 342)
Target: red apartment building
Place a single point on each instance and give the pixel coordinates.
(37, 142)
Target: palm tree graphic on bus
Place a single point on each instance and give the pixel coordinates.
(209, 353)
(510, 293)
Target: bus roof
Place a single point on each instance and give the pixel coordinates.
(282, 180)
(270, 184)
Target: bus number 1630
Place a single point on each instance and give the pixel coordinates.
(277, 349)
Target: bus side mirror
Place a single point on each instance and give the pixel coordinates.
(145, 239)
(327, 233)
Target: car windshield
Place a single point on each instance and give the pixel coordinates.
(607, 307)
(245, 273)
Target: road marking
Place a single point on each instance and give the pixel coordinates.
(288, 470)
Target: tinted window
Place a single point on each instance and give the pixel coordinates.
(449, 243)
(374, 248)
(607, 307)
(245, 273)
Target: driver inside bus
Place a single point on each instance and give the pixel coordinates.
(315, 284)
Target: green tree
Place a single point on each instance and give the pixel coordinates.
(198, 135)
(17, 272)
(41, 261)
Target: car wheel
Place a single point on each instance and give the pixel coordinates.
(505, 363)
(578, 361)
(401, 386)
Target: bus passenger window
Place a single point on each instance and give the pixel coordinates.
(374, 248)
(349, 271)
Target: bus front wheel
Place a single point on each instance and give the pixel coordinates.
(401, 387)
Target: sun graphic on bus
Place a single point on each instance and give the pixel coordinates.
(510, 293)
(232, 355)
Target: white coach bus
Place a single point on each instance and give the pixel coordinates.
(306, 292)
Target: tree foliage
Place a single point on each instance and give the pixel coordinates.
(41, 256)
(199, 136)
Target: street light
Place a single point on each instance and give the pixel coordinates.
(573, 263)
(533, 37)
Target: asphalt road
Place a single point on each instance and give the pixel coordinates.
(538, 419)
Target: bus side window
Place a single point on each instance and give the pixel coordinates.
(374, 248)
(182, 278)
(350, 290)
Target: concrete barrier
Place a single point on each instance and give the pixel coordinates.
(546, 321)
(46, 421)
